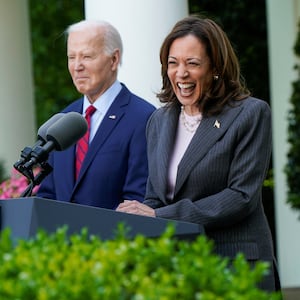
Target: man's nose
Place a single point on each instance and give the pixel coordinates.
(78, 65)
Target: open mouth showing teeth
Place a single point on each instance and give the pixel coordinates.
(185, 85)
(186, 89)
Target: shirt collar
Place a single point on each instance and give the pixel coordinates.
(103, 103)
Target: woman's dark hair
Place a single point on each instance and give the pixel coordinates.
(230, 84)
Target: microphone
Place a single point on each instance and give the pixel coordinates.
(42, 132)
(61, 135)
(42, 139)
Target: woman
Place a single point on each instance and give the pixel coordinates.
(209, 146)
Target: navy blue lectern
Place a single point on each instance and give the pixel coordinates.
(25, 216)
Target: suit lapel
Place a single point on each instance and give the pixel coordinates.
(208, 133)
(165, 148)
(109, 122)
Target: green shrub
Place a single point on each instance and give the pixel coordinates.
(81, 267)
(3, 175)
(53, 87)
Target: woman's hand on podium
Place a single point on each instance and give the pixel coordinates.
(136, 207)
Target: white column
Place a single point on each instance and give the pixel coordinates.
(16, 87)
(143, 24)
(283, 17)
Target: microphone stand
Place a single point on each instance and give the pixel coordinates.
(36, 180)
(19, 165)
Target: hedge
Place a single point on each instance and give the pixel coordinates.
(82, 266)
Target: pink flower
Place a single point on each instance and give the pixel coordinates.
(14, 186)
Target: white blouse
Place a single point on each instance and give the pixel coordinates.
(187, 126)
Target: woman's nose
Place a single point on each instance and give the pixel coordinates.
(182, 71)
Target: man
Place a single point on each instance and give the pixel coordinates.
(115, 165)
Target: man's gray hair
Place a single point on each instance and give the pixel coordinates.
(112, 38)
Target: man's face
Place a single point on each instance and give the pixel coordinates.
(92, 70)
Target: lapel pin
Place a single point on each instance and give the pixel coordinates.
(113, 117)
(217, 124)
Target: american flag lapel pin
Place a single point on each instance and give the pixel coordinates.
(113, 117)
(217, 124)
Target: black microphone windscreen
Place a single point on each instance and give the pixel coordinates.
(67, 130)
(42, 132)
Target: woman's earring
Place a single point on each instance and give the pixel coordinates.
(216, 77)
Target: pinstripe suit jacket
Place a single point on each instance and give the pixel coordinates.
(219, 178)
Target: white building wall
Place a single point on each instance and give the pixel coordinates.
(283, 17)
(143, 24)
(16, 87)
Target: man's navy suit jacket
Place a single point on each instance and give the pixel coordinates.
(115, 167)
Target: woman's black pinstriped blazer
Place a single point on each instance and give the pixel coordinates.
(220, 177)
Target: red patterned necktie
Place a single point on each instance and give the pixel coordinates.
(83, 143)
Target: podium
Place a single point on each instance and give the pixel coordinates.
(25, 216)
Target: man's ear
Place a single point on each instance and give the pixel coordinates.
(115, 59)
